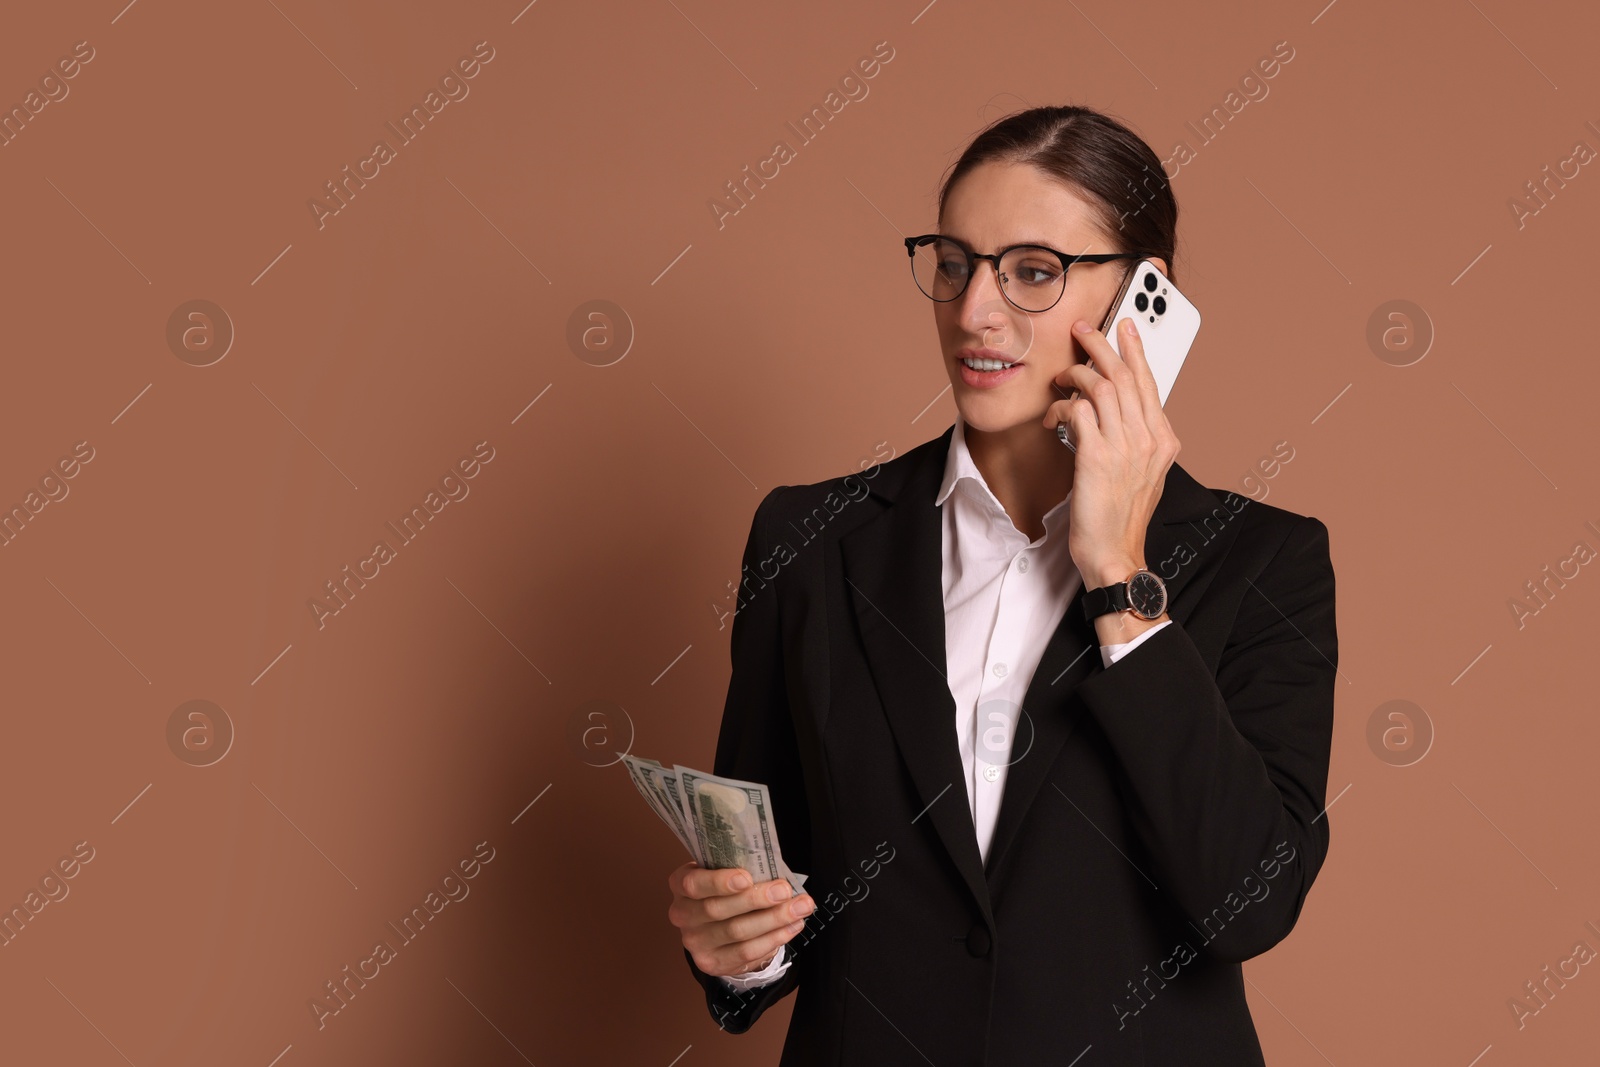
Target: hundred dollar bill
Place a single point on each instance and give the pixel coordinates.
(666, 779)
(655, 795)
(731, 824)
(722, 822)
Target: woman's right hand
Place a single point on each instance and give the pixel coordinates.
(729, 925)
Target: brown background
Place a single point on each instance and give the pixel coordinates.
(589, 561)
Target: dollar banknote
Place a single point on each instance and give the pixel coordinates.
(646, 778)
(722, 822)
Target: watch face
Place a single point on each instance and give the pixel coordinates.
(1148, 594)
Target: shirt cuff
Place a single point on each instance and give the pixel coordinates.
(755, 979)
(1109, 654)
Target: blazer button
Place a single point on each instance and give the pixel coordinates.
(978, 940)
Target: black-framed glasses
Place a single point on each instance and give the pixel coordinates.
(1032, 277)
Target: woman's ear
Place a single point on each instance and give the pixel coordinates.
(1160, 265)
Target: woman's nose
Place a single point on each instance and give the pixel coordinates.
(984, 285)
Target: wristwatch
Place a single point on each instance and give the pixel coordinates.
(1144, 593)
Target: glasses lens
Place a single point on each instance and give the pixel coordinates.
(1032, 277)
(940, 268)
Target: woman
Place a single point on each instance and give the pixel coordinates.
(1079, 866)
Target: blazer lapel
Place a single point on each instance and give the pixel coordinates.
(893, 566)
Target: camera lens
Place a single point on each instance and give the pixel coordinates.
(1160, 304)
(1150, 281)
(1141, 301)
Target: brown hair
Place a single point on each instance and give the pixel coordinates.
(1096, 156)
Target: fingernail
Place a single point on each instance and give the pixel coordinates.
(740, 882)
(1081, 326)
(802, 906)
(779, 891)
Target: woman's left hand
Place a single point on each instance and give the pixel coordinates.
(1124, 447)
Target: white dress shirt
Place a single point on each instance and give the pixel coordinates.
(1003, 597)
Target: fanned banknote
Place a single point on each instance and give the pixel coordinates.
(722, 822)
(645, 776)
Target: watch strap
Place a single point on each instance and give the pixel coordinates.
(1105, 600)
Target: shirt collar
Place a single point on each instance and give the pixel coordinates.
(958, 466)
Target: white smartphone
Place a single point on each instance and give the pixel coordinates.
(1167, 322)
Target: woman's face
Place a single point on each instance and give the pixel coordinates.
(993, 206)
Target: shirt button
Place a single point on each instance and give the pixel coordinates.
(991, 773)
(999, 670)
(1022, 564)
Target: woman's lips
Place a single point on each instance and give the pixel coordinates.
(988, 379)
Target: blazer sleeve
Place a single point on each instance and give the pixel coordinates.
(757, 743)
(1228, 773)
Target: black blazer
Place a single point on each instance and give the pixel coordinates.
(1162, 819)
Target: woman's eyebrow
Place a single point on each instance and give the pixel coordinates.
(1043, 241)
